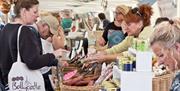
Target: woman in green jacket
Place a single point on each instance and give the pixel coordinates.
(136, 24)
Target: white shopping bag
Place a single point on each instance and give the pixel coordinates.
(21, 78)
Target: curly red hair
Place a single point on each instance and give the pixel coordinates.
(143, 12)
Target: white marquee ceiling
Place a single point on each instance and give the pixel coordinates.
(81, 7)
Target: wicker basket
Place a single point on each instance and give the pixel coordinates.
(79, 88)
(163, 83)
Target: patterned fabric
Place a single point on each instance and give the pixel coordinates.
(176, 83)
(114, 37)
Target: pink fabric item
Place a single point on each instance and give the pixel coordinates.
(69, 75)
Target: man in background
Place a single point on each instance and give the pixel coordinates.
(103, 19)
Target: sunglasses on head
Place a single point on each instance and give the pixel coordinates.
(136, 11)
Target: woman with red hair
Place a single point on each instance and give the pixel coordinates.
(136, 24)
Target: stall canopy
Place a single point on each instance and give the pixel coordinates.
(82, 6)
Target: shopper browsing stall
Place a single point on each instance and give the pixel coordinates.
(48, 27)
(137, 22)
(57, 38)
(165, 43)
(31, 53)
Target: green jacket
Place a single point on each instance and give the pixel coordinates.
(128, 41)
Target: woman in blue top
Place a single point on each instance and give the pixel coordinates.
(113, 33)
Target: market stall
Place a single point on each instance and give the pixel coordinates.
(136, 69)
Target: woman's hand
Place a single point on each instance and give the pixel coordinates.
(58, 41)
(61, 32)
(59, 52)
(98, 57)
(63, 63)
(101, 41)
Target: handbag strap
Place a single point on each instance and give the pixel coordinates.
(18, 53)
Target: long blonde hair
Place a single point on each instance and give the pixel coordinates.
(167, 33)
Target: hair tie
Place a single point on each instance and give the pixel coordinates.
(171, 22)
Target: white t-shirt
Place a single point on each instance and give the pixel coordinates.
(47, 48)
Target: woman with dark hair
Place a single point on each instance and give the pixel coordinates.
(161, 19)
(136, 24)
(26, 12)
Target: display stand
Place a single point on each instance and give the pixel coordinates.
(136, 81)
(141, 79)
